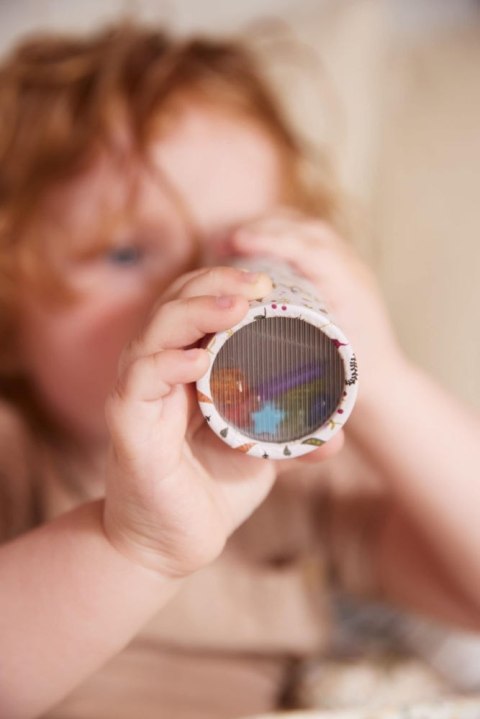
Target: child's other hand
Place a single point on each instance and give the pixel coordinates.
(345, 284)
(175, 492)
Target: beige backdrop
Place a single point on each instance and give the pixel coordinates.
(427, 206)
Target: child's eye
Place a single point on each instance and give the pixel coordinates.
(126, 255)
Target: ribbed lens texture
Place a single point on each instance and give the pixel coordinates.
(277, 379)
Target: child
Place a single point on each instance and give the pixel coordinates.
(130, 163)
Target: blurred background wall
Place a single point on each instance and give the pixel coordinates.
(393, 88)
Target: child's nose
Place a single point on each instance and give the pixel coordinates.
(216, 249)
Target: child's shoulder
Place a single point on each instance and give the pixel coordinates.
(16, 472)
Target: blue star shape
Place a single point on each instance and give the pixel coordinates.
(267, 419)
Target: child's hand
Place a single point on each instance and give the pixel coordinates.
(345, 284)
(175, 492)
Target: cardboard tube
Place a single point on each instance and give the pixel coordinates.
(283, 381)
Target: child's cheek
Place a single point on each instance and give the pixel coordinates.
(71, 356)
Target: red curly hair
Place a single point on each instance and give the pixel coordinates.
(61, 99)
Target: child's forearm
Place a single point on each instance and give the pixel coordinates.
(68, 602)
(426, 445)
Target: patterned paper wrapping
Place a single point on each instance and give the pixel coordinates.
(283, 380)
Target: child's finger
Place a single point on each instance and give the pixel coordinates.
(175, 288)
(305, 250)
(171, 322)
(151, 377)
(182, 322)
(286, 240)
(227, 280)
(289, 223)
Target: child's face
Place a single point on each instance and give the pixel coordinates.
(218, 171)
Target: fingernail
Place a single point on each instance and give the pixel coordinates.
(225, 301)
